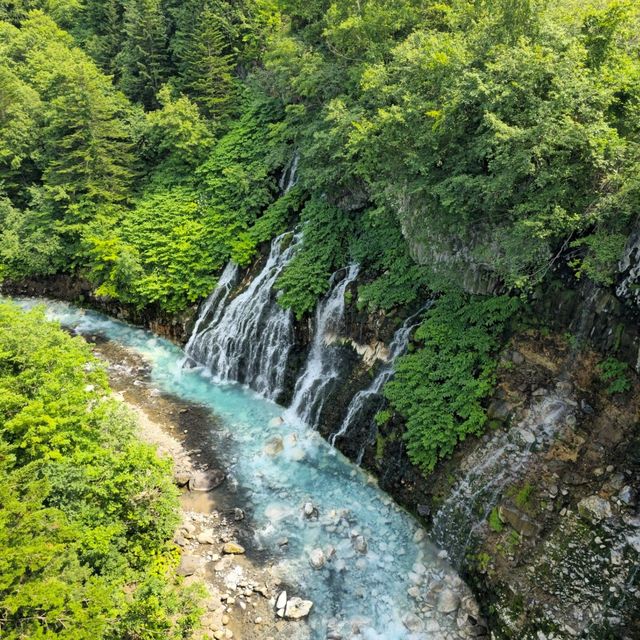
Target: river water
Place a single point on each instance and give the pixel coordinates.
(375, 551)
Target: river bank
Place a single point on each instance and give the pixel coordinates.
(242, 587)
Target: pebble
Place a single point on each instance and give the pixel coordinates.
(206, 537)
(448, 601)
(317, 559)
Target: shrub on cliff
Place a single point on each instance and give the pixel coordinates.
(439, 388)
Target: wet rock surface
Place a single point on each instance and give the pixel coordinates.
(543, 515)
(550, 536)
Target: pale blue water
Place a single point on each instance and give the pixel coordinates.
(371, 587)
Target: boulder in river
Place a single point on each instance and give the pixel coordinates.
(317, 559)
(310, 511)
(274, 446)
(448, 601)
(360, 544)
(297, 608)
(413, 623)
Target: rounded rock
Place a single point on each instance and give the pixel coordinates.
(448, 601)
(233, 548)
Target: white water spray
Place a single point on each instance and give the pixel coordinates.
(249, 339)
(321, 369)
(491, 468)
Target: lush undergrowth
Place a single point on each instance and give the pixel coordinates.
(87, 512)
(439, 389)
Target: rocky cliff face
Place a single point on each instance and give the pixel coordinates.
(547, 500)
(608, 317)
(628, 285)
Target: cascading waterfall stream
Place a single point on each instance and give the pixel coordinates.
(213, 306)
(289, 177)
(249, 339)
(490, 469)
(321, 368)
(371, 400)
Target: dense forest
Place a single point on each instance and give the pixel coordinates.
(142, 141)
(145, 143)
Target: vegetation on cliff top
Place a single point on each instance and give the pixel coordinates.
(142, 143)
(87, 511)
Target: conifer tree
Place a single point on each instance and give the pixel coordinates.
(104, 38)
(205, 67)
(88, 150)
(143, 63)
(19, 122)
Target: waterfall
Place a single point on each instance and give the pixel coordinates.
(249, 339)
(370, 400)
(289, 177)
(491, 468)
(213, 306)
(321, 368)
